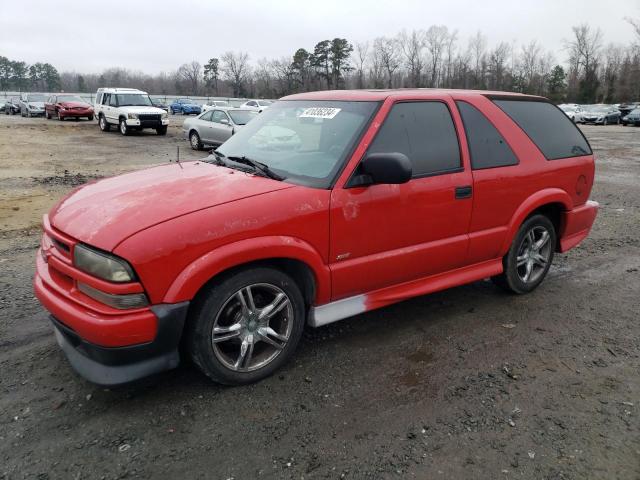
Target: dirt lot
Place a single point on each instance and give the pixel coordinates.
(468, 383)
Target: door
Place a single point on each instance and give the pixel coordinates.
(112, 108)
(383, 235)
(222, 129)
(205, 127)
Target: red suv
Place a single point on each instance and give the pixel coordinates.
(327, 205)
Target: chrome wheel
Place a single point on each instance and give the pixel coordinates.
(534, 254)
(252, 327)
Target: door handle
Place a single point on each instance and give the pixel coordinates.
(463, 192)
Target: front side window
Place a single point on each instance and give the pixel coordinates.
(113, 100)
(551, 130)
(36, 98)
(106, 99)
(306, 141)
(219, 117)
(206, 116)
(424, 132)
(488, 149)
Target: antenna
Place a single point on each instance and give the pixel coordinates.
(178, 156)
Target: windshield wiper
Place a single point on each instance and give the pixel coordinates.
(257, 167)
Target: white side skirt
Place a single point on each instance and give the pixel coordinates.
(334, 311)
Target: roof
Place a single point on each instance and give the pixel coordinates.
(383, 94)
(120, 90)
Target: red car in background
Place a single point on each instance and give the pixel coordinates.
(64, 106)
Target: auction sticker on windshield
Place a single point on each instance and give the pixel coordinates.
(319, 112)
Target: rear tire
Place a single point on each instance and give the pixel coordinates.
(246, 326)
(530, 256)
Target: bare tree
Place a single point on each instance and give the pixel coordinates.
(436, 40)
(412, 46)
(386, 51)
(450, 52)
(360, 58)
(235, 67)
(190, 72)
(498, 65)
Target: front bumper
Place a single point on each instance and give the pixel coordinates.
(35, 111)
(84, 112)
(135, 122)
(109, 366)
(107, 346)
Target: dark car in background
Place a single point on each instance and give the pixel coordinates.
(632, 118)
(185, 107)
(156, 102)
(67, 106)
(600, 114)
(627, 107)
(11, 106)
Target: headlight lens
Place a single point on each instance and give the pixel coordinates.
(165, 115)
(132, 115)
(122, 302)
(102, 265)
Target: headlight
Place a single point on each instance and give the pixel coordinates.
(132, 115)
(165, 115)
(102, 265)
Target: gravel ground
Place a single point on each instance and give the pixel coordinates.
(467, 383)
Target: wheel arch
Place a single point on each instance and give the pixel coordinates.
(550, 202)
(293, 256)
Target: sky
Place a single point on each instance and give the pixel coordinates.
(154, 36)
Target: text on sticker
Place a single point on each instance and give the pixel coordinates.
(320, 112)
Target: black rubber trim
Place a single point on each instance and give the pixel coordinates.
(119, 365)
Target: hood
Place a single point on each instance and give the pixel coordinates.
(75, 105)
(36, 104)
(141, 109)
(190, 105)
(106, 212)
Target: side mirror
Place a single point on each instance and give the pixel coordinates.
(382, 168)
(225, 121)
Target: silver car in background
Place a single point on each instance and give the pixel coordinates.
(215, 126)
(573, 111)
(32, 104)
(214, 104)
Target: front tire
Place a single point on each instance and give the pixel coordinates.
(60, 117)
(123, 127)
(161, 130)
(104, 125)
(246, 326)
(530, 256)
(90, 118)
(194, 141)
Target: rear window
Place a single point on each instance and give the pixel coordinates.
(487, 147)
(548, 127)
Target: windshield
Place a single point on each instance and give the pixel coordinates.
(35, 98)
(264, 103)
(567, 108)
(635, 111)
(70, 98)
(240, 117)
(596, 108)
(133, 99)
(305, 141)
(221, 103)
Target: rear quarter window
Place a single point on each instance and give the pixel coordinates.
(488, 149)
(548, 127)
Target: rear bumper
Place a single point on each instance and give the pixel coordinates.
(576, 224)
(109, 366)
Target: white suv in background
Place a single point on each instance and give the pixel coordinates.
(129, 109)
